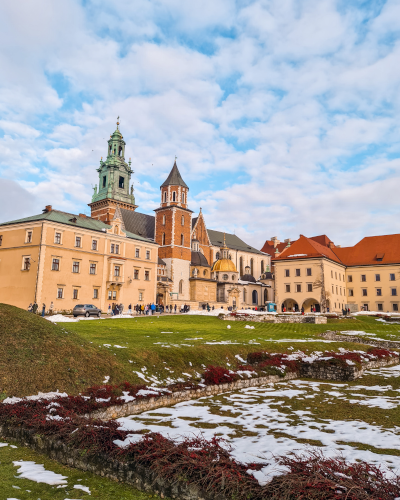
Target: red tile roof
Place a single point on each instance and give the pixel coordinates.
(305, 248)
(370, 249)
(270, 249)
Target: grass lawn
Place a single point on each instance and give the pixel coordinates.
(13, 487)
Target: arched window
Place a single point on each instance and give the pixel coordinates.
(233, 277)
(182, 240)
(120, 151)
(262, 267)
(225, 277)
(217, 256)
(255, 297)
(241, 266)
(165, 197)
(163, 239)
(252, 267)
(265, 296)
(110, 149)
(174, 196)
(230, 256)
(244, 295)
(183, 220)
(205, 272)
(163, 220)
(181, 287)
(183, 197)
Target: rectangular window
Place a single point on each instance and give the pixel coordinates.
(337, 291)
(140, 296)
(148, 254)
(117, 270)
(147, 275)
(287, 273)
(380, 307)
(78, 241)
(350, 278)
(57, 238)
(104, 183)
(94, 244)
(27, 263)
(340, 276)
(75, 293)
(137, 253)
(60, 293)
(121, 182)
(331, 274)
(392, 277)
(112, 248)
(335, 275)
(394, 292)
(298, 288)
(287, 287)
(395, 307)
(379, 291)
(92, 269)
(308, 271)
(1, 239)
(136, 274)
(363, 277)
(351, 293)
(95, 293)
(364, 292)
(55, 265)
(297, 272)
(109, 295)
(365, 307)
(309, 287)
(114, 295)
(340, 290)
(29, 236)
(333, 289)
(116, 248)
(377, 277)
(75, 267)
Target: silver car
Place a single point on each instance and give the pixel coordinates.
(86, 310)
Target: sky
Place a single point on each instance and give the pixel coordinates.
(284, 114)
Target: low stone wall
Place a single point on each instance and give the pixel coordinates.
(387, 344)
(275, 318)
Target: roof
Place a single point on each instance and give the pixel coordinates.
(370, 249)
(194, 220)
(322, 239)
(141, 224)
(198, 259)
(224, 265)
(305, 248)
(161, 262)
(249, 278)
(233, 242)
(269, 247)
(174, 178)
(66, 218)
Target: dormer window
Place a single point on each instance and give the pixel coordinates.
(174, 196)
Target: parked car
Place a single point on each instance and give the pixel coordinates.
(86, 310)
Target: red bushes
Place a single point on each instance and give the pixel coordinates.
(380, 353)
(215, 375)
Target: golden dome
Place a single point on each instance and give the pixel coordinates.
(224, 265)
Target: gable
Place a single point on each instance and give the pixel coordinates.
(199, 231)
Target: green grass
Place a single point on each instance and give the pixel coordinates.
(101, 488)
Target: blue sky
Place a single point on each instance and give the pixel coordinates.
(284, 114)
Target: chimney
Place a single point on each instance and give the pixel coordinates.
(287, 241)
(275, 241)
(331, 244)
(47, 208)
(83, 215)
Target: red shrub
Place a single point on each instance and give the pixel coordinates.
(381, 353)
(215, 375)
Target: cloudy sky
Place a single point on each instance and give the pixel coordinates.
(284, 114)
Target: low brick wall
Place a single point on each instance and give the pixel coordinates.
(275, 318)
(387, 344)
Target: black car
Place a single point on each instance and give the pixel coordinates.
(86, 310)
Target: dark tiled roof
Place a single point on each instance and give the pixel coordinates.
(248, 277)
(141, 224)
(161, 262)
(232, 241)
(198, 259)
(82, 222)
(174, 178)
(194, 220)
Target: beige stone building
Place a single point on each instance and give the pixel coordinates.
(64, 259)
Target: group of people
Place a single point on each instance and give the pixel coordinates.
(33, 308)
(147, 309)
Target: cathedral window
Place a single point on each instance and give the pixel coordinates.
(120, 151)
(262, 267)
(225, 277)
(165, 198)
(104, 181)
(233, 277)
(241, 266)
(182, 240)
(163, 239)
(183, 197)
(252, 267)
(121, 182)
(163, 219)
(217, 256)
(181, 286)
(174, 196)
(183, 220)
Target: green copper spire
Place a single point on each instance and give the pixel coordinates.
(115, 173)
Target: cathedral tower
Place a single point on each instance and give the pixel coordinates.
(172, 232)
(114, 177)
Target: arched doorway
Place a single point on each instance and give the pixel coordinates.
(311, 304)
(289, 304)
(265, 296)
(254, 297)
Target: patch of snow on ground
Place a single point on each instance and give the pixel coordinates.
(37, 472)
(106, 379)
(40, 395)
(83, 488)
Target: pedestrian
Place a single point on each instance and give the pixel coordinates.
(208, 307)
(175, 309)
(302, 311)
(34, 308)
(43, 309)
(30, 307)
(51, 307)
(153, 308)
(109, 309)
(214, 308)
(348, 310)
(130, 309)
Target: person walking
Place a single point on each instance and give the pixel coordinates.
(51, 308)
(34, 308)
(30, 307)
(302, 311)
(175, 309)
(153, 308)
(43, 309)
(130, 309)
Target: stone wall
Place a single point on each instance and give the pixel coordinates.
(275, 318)
(386, 344)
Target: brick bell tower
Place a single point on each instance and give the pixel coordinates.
(172, 232)
(114, 177)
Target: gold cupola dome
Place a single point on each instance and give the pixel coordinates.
(225, 264)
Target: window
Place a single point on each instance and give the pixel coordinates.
(380, 307)
(262, 267)
(337, 291)
(392, 277)
(112, 248)
(29, 237)
(298, 288)
(140, 296)
(137, 253)
(309, 287)
(183, 197)
(55, 265)
(163, 239)
(117, 270)
(350, 278)
(109, 295)
(309, 271)
(57, 238)
(183, 220)
(351, 292)
(287, 288)
(147, 275)
(364, 292)
(363, 277)
(75, 267)
(331, 274)
(163, 220)
(121, 182)
(287, 273)
(379, 292)
(182, 240)
(165, 198)
(395, 307)
(225, 277)
(95, 293)
(181, 286)
(394, 292)
(174, 196)
(60, 293)
(340, 277)
(365, 307)
(233, 277)
(148, 254)
(78, 241)
(94, 244)
(333, 289)
(114, 295)
(116, 248)
(1, 239)
(92, 269)
(26, 263)
(340, 290)
(75, 293)
(335, 276)
(377, 277)
(297, 272)
(136, 274)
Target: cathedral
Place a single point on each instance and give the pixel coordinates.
(196, 265)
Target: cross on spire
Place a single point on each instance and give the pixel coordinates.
(117, 122)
